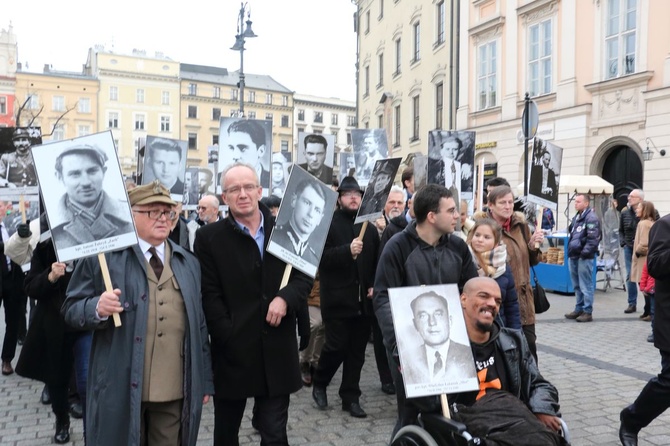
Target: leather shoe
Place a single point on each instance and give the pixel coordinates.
(388, 388)
(76, 411)
(45, 398)
(7, 368)
(320, 397)
(574, 314)
(627, 436)
(584, 317)
(630, 309)
(650, 338)
(62, 430)
(354, 409)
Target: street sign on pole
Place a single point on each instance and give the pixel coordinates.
(530, 120)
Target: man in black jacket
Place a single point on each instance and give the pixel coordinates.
(627, 227)
(250, 316)
(347, 273)
(424, 253)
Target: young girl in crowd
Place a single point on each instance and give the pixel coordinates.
(647, 286)
(490, 255)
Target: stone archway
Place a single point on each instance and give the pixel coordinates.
(619, 161)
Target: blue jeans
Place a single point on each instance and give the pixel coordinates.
(581, 273)
(631, 287)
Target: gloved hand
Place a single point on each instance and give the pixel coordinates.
(24, 229)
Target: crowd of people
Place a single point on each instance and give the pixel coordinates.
(208, 314)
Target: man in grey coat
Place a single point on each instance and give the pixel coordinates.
(148, 378)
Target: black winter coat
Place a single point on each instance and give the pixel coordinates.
(344, 281)
(658, 264)
(249, 357)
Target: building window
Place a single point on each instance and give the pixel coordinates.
(165, 123)
(398, 57)
(58, 132)
(351, 120)
(318, 117)
(539, 58)
(333, 119)
(215, 140)
(84, 105)
(439, 105)
(284, 121)
(251, 115)
(192, 111)
(318, 132)
(139, 95)
(440, 23)
(415, 118)
(380, 121)
(234, 94)
(284, 100)
(252, 96)
(3, 105)
(216, 114)
(486, 76)
(284, 145)
(416, 32)
(233, 113)
(33, 102)
(217, 92)
(165, 98)
(268, 98)
(193, 89)
(367, 21)
(348, 138)
(193, 141)
(366, 93)
(301, 130)
(301, 114)
(620, 37)
(396, 118)
(58, 103)
(113, 122)
(269, 117)
(380, 60)
(83, 130)
(113, 93)
(139, 122)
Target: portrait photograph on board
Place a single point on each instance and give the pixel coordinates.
(451, 156)
(316, 153)
(303, 221)
(369, 146)
(374, 198)
(165, 161)
(247, 141)
(420, 171)
(281, 164)
(191, 192)
(545, 173)
(17, 169)
(84, 196)
(433, 343)
(347, 165)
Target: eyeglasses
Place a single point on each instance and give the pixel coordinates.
(352, 193)
(156, 214)
(201, 208)
(234, 190)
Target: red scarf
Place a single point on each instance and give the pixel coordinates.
(507, 226)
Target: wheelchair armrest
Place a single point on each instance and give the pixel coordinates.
(438, 422)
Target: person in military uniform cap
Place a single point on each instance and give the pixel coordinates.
(307, 203)
(85, 212)
(17, 168)
(381, 184)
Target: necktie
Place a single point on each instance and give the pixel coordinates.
(453, 173)
(155, 263)
(437, 367)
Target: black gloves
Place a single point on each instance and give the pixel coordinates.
(24, 229)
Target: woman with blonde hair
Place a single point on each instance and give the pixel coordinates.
(646, 213)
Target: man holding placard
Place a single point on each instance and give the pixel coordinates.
(156, 365)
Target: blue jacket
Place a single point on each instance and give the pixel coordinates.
(584, 235)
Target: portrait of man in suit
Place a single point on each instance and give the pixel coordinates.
(245, 142)
(542, 182)
(315, 148)
(166, 162)
(440, 358)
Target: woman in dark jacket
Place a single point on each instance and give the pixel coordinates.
(48, 353)
(490, 255)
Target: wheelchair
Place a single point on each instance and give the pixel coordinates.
(434, 429)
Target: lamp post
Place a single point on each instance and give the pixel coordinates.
(239, 46)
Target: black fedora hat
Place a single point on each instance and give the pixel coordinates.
(348, 184)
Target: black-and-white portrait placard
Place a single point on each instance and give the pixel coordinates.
(85, 196)
(370, 146)
(17, 169)
(281, 164)
(451, 155)
(347, 165)
(303, 221)
(316, 153)
(545, 173)
(433, 344)
(378, 189)
(420, 171)
(191, 189)
(165, 161)
(247, 141)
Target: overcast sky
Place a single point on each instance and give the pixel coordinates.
(309, 46)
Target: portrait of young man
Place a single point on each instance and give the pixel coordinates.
(165, 161)
(315, 155)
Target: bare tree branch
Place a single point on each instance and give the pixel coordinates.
(53, 128)
(21, 108)
(34, 116)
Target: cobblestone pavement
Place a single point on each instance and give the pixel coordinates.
(598, 368)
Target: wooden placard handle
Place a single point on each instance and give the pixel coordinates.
(287, 275)
(538, 223)
(363, 228)
(108, 284)
(22, 208)
(445, 406)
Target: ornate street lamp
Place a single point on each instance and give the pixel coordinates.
(239, 46)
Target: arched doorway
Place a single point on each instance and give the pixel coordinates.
(623, 168)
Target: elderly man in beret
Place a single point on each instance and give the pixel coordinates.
(148, 378)
(17, 168)
(86, 213)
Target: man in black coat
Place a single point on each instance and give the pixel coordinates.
(347, 274)
(655, 396)
(250, 315)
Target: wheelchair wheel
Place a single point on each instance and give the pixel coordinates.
(413, 436)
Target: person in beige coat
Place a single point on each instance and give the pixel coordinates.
(646, 213)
